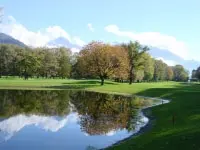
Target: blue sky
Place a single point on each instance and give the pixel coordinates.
(172, 24)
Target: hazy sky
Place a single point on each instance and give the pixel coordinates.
(171, 24)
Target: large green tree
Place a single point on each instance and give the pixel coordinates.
(64, 66)
(5, 59)
(29, 64)
(194, 74)
(180, 73)
(135, 55)
(148, 67)
(159, 70)
(169, 73)
(49, 64)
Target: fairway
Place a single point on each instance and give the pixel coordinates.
(184, 109)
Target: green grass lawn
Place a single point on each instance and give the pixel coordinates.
(184, 105)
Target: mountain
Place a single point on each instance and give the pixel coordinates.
(169, 56)
(62, 42)
(7, 39)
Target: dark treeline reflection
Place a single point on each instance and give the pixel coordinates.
(101, 113)
(98, 113)
(13, 102)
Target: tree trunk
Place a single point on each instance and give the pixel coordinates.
(131, 75)
(131, 80)
(102, 80)
(24, 74)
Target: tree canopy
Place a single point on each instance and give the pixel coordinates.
(102, 60)
(135, 56)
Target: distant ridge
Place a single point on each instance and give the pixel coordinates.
(62, 42)
(7, 39)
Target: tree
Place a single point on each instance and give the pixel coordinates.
(180, 74)
(5, 59)
(135, 56)
(169, 73)
(64, 66)
(121, 73)
(75, 71)
(148, 67)
(197, 73)
(194, 74)
(29, 64)
(99, 59)
(49, 64)
(159, 70)
(139, 75)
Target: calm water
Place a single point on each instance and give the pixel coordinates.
(67, 120)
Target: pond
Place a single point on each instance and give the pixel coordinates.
(67, 120)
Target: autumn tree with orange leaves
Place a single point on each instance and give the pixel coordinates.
(102, 60)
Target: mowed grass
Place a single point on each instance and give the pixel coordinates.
(184, 106)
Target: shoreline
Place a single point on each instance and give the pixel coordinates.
(146, 113)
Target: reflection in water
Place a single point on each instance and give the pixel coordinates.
(66, 113)
(14, 124)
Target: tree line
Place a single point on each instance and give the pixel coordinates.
(123, 62)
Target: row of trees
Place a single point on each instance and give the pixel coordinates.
(96, 60)
(40, 62)
(126, 61)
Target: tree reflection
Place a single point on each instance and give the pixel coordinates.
(101, 113)
(13, 102)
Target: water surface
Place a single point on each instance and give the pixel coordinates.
(67, 120)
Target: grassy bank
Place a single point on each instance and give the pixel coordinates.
(185, 107)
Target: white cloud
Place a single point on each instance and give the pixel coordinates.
(36, 39)
(154, 39)
(168, 62)
(91, 28)
(78, 41)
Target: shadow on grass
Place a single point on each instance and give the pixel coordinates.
(177, 90)
(71, 87)
(80, 85)
(90, 82)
